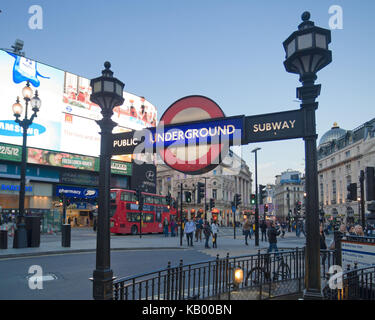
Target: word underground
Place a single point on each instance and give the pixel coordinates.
(179, 135)
(194, 309)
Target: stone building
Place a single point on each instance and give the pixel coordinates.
(222, 183)
(288, 192)
(342, 154)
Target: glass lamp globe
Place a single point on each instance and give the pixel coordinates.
(36, 102)
(27, 92)
(17, 108)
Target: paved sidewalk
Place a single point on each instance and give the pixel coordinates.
(84, 240)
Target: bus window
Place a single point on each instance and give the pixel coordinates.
(149, 199)
(133, 217)
(160, 200)
(127, 196)
(148, 217)
(158, 216)
(113, 195)
(112, 210)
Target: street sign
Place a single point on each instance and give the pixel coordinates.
(274, 126)
(222, 130)
(126, 142)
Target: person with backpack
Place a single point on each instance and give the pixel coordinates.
(215, 230)
(263, 228)
(189, 231)
(207, 233)
(165, 227)
(272, 238)
(246, 230)
(198, 231)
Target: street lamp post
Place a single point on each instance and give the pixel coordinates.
(20, 237)
(107, 92)
(256, 199)
(307, 53)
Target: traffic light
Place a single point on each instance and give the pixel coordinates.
(201, 193)
(139, 199)
(206, 207)
(298, 205)
(252, 199)
(237, 200)
(262, 193)
(266, 207)
(188, 196)
(352, 192)
(212, 204)
(370, 183)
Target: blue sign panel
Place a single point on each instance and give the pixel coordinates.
(77, 192)
(222, 130)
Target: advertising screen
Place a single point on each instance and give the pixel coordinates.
(66, 120)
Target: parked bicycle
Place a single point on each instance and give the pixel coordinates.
(262, 272)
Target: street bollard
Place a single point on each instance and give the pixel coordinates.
(65, 235)
(3, 239)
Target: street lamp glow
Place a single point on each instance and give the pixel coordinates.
(238, 276)
(17, 108)
(27, 92)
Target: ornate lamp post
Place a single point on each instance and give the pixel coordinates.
(20, 237)
(107, 93)
(307, 53)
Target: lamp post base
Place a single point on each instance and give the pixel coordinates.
(103, 285)
(20, 237)
(312, 294)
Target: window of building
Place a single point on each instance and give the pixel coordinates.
(214, 194)
(321, 192)
(333, 192)
(348, 167)
(333, 160)
(347, 154)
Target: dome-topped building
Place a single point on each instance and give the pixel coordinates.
(335, 133)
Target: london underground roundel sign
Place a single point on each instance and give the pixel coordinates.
(193, 158)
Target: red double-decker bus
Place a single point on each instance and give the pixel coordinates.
(126, 217)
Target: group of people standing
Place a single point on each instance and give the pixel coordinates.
(198, 226)
(172, 225)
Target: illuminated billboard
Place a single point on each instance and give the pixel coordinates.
(66, 120)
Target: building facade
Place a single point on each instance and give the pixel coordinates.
(230, 177)
(342, 154)
(288, 193)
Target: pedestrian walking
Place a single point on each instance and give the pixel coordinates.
(173, 226)
(283, 229)
(272, 238)
(263, 228)
(189, 231)
(165, 227)
(246, 230)
(207, 233)
(94, 225)
(214, 230)
(199, 228)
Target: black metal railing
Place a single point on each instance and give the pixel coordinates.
(265, 276)
(352, 284)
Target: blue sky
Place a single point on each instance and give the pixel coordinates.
(229, 51)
